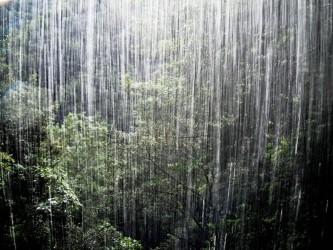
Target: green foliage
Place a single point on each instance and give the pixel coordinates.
(6, 161)
(77, 164)
(4, 72)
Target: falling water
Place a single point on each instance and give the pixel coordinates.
(209, 122)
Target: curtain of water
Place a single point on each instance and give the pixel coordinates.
(220, 81)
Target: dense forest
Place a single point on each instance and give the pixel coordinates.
(166, 124)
